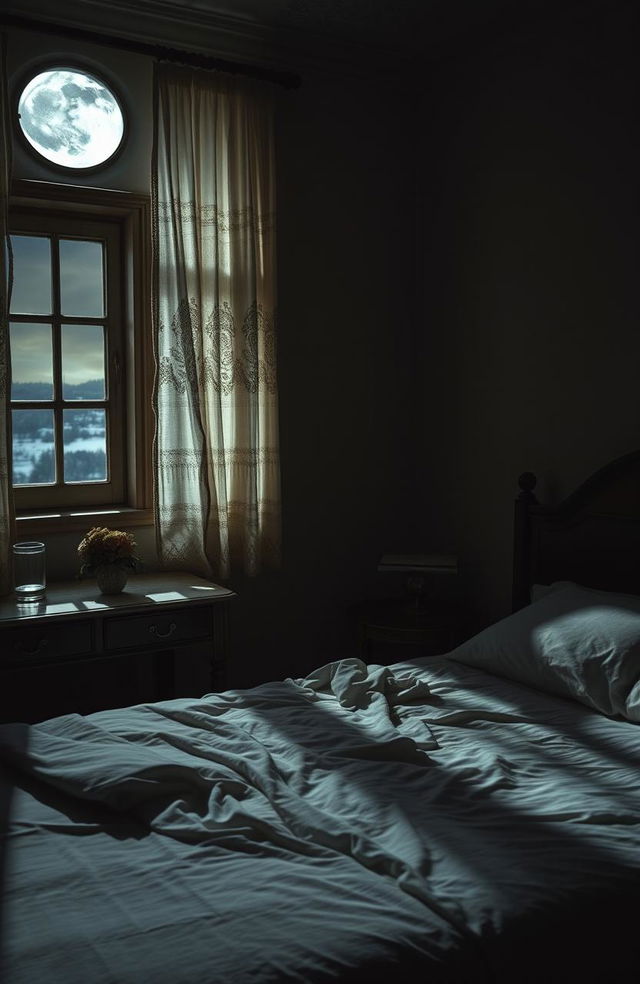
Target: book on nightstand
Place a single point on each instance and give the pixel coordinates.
(419, 563)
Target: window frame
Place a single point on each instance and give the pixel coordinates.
(134, 365)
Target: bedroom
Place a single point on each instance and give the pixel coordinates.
(471, 245)
(537, 252)
(513, 192)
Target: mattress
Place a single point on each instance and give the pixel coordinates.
(426, 819)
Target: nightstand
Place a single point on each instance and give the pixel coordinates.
(80, 651)
(387, 626)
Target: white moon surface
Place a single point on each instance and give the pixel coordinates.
(71, 118)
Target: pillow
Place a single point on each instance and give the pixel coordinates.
(538, 591)
(574, 642)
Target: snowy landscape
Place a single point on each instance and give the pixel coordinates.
(84, 436)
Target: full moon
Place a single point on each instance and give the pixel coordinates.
(71, 118)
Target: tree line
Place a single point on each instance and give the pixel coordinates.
(79, 466)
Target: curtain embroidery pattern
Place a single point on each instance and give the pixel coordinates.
(216, 449)
(219, 366)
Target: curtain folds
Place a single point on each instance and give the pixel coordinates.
(6, 492)
(217, 474)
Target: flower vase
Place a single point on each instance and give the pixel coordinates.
(111, 578)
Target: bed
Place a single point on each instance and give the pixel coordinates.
(469, 818)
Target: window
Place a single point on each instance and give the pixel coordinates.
(80, 351)
(71, 118)
(66, 352)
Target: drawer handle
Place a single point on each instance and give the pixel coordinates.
(39, 646)
(154, 630)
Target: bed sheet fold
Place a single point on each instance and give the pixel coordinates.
(424, 815)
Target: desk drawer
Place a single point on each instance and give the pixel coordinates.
(44, 642)
(162, 628)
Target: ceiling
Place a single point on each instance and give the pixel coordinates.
(408, 25)
(285, 30)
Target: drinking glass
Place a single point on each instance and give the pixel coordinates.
(29, 564)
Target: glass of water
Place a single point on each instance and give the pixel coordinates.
(29, 578)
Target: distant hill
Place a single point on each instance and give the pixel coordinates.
(92, 389)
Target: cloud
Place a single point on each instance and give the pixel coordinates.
(81, 284)
(81, 296)
(31, 353)
(32, 358)
(81, 277)
(82, 353)
(31, 292)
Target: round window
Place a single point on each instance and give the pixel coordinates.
(71, 118)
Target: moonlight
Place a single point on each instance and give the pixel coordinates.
(71, 118)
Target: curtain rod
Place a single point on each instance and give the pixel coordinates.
(157, 51)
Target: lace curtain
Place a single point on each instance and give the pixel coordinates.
(216, 448)
(6, 495)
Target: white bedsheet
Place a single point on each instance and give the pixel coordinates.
(359, 823)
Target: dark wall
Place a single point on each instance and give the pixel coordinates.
(528, 205)
(347, 373)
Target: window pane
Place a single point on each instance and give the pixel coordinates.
(33, 447)
(81, 284)
(83, 362)
(85, 446)
(31, 292)
(31, 362)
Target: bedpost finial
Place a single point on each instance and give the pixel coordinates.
(527, 483)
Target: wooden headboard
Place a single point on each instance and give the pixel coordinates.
(592, 537)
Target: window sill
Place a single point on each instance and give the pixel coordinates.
(39, 522)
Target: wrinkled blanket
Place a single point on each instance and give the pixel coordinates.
(203, 773)
(359, 823)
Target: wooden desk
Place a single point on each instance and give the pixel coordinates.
(165, 636)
